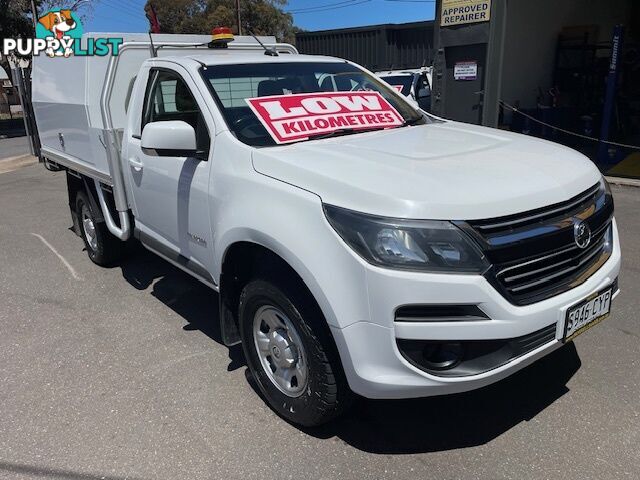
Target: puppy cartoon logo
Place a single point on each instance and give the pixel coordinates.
(64, 27)
(59, 34)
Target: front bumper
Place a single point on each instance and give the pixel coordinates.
(374, 366)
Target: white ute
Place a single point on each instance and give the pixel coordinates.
(358, 245)
(414, 84)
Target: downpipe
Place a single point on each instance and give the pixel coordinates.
(124, 231)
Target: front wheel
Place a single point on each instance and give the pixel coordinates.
(290, 355)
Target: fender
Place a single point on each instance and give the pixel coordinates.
(228, 322)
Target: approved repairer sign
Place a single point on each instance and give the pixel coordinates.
(458, 12)
(290, 118)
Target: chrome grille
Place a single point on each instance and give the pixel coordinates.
(534, 255)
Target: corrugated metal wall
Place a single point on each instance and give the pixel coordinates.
(377, 47)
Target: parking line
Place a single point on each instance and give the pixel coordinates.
(62, 259)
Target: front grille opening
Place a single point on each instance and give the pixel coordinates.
(439, 313)
(541, 277)
(450, 358)
(534, 254)
(540, 215)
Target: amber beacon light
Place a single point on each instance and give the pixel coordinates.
(220, 36)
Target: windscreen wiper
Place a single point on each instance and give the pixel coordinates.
(412, 121)
(342, 132)
(350, 131)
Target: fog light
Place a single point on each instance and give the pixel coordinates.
(442, 355)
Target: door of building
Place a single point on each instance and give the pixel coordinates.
(464, 77)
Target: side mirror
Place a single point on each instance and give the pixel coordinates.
(174, 138)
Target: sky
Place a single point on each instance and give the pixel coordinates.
(128, 15)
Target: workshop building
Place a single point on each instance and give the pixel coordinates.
(567, 71)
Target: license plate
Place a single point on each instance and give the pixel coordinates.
(587, 313)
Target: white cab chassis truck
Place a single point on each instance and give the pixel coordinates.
(426, 258)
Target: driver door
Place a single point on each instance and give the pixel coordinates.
(170, 192)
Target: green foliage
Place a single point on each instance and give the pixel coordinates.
(14, 23)
(262, 17)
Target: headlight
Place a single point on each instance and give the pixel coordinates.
(426, 245)
(604, 186)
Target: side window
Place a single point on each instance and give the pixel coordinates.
(164, 100)
(168, 98)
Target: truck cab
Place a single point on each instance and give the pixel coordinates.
(358, 244)
(414, 84)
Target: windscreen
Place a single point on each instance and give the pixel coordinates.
(402, 82)
(234, 87)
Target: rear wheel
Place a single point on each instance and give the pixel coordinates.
(103, 248)
(290, 354)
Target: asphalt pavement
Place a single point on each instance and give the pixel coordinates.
(120, 374)
(13, 147)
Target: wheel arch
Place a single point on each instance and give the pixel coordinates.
(248, 258)
(77, 183)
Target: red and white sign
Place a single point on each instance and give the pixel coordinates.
(398, 88)
(290, 118)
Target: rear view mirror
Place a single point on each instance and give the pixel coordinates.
(174, 138)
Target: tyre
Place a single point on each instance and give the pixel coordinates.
(290, 353)
(103, 248)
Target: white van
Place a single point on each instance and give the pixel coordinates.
(358, 245)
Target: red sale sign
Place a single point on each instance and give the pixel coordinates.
(290, 118)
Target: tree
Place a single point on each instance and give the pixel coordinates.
(82, 8)
(261, 17)
(14, 23)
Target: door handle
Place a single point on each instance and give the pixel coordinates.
(136, 164)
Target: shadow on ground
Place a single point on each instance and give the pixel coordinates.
(390, 426)
(33, 471)
(186, 296)
(456, 421)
